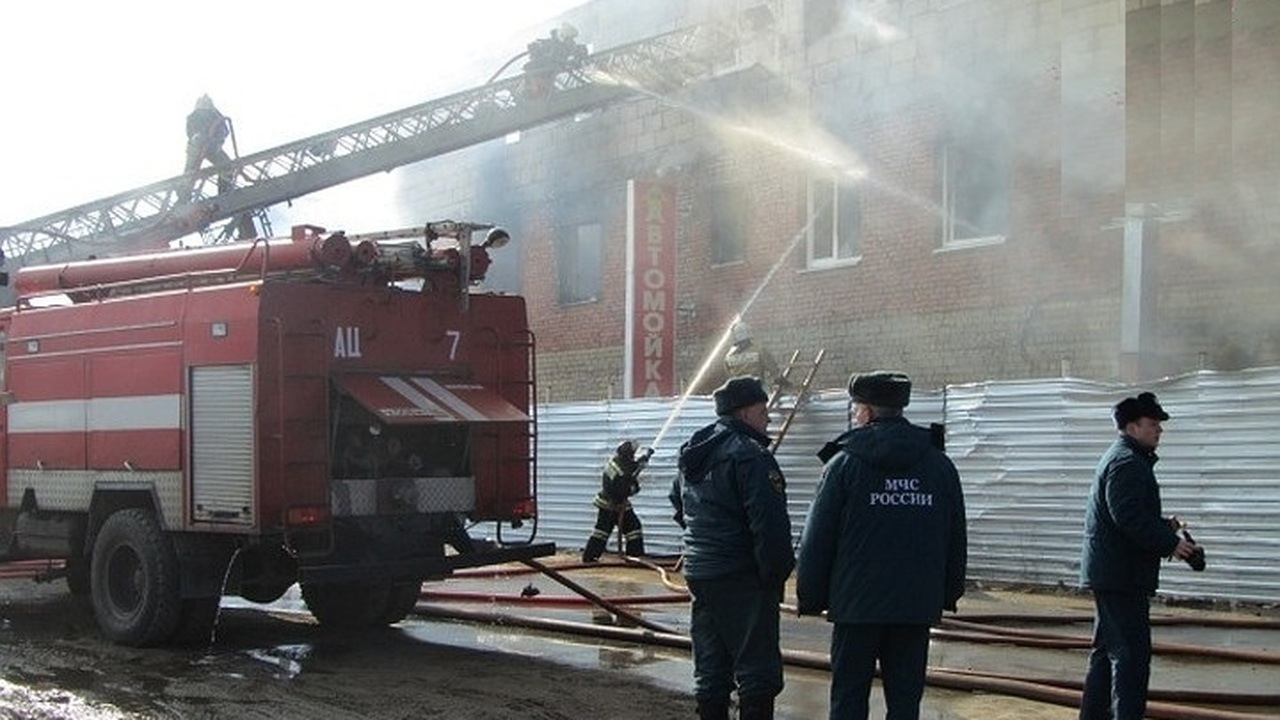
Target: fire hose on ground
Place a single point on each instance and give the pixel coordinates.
(967, 628)
(977, 628)
(938, 677)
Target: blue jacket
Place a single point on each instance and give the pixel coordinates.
(732, 499)
(1125, 536)
(885, 539)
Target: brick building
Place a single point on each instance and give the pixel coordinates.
(959, 189)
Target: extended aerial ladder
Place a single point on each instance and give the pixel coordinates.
(152, 216)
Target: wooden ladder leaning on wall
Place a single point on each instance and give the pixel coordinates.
(797, 398)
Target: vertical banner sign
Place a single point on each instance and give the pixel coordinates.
(650, 365)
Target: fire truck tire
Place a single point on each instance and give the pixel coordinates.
(134, 580)
(349, 605)
(401, 601)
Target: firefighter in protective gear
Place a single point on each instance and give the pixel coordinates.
(207, 131)
(745, 357)
(549, 56)
(618, 482)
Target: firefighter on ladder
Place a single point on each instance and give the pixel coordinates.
(549, 56)
(618, 482)
(744, 357)
(207, 131)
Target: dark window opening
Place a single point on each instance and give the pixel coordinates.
(729, 224)
(974, 171)
(578, 254)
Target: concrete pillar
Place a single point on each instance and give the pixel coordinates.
(1138, 336)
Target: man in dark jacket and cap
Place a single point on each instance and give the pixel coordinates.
(1125, 537)
(883, 551)
(731, 498)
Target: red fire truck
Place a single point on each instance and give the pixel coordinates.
(331, 410)
(336, 411)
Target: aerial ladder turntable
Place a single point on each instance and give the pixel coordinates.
(150, 217)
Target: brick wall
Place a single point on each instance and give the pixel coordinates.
(1104, 102)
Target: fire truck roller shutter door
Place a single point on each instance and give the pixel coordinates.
(418, 399)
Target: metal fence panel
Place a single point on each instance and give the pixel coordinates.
(1026, 452)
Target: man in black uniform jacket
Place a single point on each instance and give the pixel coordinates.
(1125, 537)
(883, 550)
(731, 499)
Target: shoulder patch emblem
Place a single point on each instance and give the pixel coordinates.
(777, 482)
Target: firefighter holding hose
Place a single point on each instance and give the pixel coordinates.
(619, 480)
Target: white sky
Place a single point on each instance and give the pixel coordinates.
(95, 92)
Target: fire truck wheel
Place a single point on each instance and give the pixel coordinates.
(347, 605)
(134, 580)
(401, 601)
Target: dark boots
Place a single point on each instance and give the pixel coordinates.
(635, 547)
(713, 711)
(758, 708)
(594, 549)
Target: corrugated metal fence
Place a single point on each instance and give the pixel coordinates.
(1026, 452)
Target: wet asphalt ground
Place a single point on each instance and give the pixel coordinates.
(1054, 614)
(1212, 650)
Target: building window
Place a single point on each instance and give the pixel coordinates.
(728, 223)
(579, 261)
(974, 174)
(835, 211)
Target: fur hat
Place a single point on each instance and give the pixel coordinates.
(1131, 409)
(738, 393)
(881, 389)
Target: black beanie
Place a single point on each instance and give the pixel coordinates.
(739, 392)
(1130, 409)
(881, 389)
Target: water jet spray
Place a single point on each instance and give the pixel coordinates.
(715, 353)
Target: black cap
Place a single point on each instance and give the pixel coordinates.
(739, 392)
(1131, 409)
(881, 389)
